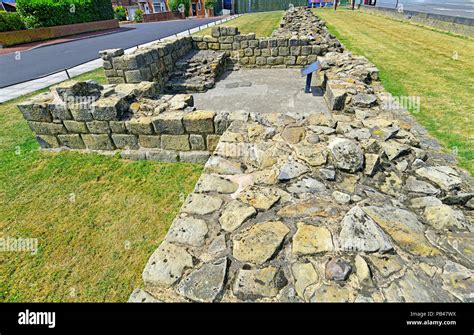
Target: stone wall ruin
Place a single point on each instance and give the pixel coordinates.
(356, 205)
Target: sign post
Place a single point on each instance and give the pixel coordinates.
(308, 72)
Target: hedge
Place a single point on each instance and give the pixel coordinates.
(47, 13)
(10, 22)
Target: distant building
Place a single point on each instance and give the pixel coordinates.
(197, 9)
(153, 6)
(146, 6)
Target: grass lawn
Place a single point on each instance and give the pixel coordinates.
(262, 24)
(97, 219)
(418, 61)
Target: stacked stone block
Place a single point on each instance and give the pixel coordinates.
(249, 51)
(152, 63)
(132, 119)
(158, 61)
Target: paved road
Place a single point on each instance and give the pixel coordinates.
(461, 8)
(48, 59)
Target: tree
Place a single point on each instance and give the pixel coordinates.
(174, 5)
(209, 5)
(120, 13)
(138, 16)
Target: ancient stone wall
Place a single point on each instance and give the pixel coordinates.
(151, 63)
(131, 119)
(291, 46)
(356, 205)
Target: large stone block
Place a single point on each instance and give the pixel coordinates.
(169, 123)
(169, 156)
(290, 60)
(335, 95)
(150, 141)
(141, 126)
(197, 157)
(261, 61)
(212, 141)
(125, 141)
(72, 141)
(46, 128)
(36, 109)
(76, 127)
(118, 127)
(78, 92)
(283, 51)
(199, 121)
(59, 110)
(80, 113)
(133, 76)
(175, 142)
(197, 142)
(295, 50)
(215, 32)
(98, 127)
(47, 141)
(98, 142)
(133, 155)
(301, 60)
(306, 50)
(109, 108)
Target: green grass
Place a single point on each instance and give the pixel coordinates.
(418, 61)
(262, 24)
(97, 219)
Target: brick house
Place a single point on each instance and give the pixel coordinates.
(197, 9)
(146, 6)
(153, 6)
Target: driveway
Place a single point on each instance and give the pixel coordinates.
(27, 65)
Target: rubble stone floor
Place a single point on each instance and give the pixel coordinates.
(262, 91)
(301, 204)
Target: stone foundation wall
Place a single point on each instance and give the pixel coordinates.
(151, 63)
(131, 119)
(358, 204)
(289, 48)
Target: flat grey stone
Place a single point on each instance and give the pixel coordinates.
(418, 186)
(328, 174)
(307, 185)
(205, 283)
(292, 169)
(443, 176)
(210, 183)
(443, 216)
(360, 233)
(258, 283)
(166, 265)
(423, 202)
(140, 295)
(341, 198)
(187, 230)
(202, 204)
(234, 214)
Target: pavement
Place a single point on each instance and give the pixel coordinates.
(262, 91)
(39, 44)
(34, 69)
(459, 8)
